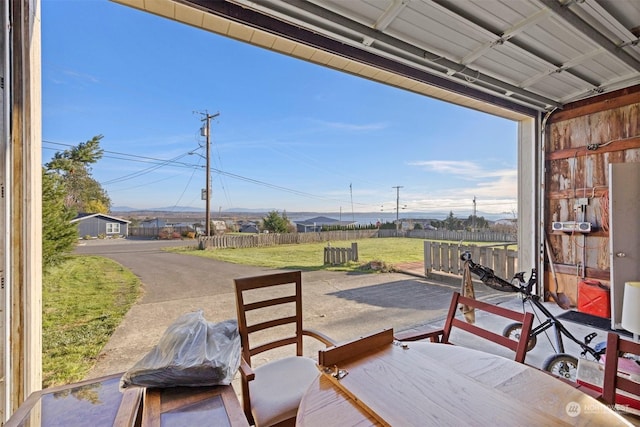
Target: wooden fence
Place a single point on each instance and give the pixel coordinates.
(160, 232)
(272, 239)
(337, 256)
(455, 236)
(445, 257)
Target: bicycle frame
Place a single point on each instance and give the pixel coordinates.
(559, 330)
(488, 277)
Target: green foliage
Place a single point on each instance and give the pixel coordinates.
(449, 223)
(476, 222)
(388, 226)
(418, 226)
(59, 235)
(68, 188)
(84, 299)
(96, 206)
(276, 223)
(453, 223)
(83, 193)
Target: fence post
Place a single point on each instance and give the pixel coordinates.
(427, 257)
(354, 252)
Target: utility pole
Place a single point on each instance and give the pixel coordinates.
(398, 187)
(207, 128)
(473, 222)
(353, 216)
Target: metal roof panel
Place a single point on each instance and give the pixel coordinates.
(535, 54)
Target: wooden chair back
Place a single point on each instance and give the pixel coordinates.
(265, 302)
(613, 381)
(519, 347)
(368, 343)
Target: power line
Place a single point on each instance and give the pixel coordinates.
(173, 162)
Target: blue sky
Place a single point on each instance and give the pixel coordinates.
(290, 135)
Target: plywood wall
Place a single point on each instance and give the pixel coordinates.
(580, 142)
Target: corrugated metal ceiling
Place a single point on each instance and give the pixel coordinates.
(506, 57)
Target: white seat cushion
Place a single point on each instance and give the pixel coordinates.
(278, 388)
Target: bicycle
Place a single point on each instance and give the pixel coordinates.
(560, 364)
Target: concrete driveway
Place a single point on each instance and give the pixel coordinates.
(343, 305)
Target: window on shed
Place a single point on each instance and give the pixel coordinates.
(113, 228)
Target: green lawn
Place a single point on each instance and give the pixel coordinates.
(388, 251)
(84, 300)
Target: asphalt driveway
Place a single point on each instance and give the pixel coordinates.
(343, 305)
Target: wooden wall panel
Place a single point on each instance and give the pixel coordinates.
(582, 141)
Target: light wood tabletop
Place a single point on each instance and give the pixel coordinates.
(418, 384)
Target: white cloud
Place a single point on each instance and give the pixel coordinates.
(81, 76)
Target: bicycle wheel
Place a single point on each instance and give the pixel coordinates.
(562, 365)
(513, 331)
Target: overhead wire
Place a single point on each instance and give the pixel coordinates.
(174, 162)
(161, 163)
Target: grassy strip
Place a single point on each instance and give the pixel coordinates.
(388, 252)
(84, 300)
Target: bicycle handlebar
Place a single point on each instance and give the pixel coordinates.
(487, 276)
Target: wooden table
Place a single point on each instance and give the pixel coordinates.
(439, 384)
(100, 403)
(192, 406)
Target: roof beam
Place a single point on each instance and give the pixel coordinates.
(575, 21)
(519, 27)
(572, 63)
(499, 39)
(390, 14)
(332, 22)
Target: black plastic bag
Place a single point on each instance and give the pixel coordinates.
(192, 352)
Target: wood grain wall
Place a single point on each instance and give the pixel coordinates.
(580, 142)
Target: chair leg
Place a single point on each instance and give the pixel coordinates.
(246, 404)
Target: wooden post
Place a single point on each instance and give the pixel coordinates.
(23, 226)
(428, 266)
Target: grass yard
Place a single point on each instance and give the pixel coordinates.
(84, 300)
(310, 256)
(388, 251)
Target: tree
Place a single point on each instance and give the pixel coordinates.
(83, 193)
(59, 235)
(68, 188)
(276, 223)
(452, 223)
(476, 222)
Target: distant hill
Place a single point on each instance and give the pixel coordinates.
(166, 209)
(360, 217)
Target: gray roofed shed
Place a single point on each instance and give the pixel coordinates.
(97, 224)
